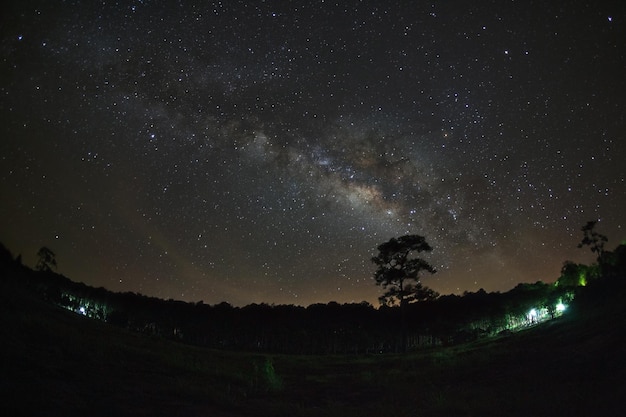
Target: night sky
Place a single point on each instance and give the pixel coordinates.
(257, 151)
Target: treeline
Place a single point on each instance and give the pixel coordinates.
(319, 328)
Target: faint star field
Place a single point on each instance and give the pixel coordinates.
(259, 151)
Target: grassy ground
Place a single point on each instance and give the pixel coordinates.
(55, 363)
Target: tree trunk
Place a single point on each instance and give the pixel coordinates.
(403, 329)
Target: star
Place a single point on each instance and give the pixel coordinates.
(260, 154)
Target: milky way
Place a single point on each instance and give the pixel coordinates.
(260, 151)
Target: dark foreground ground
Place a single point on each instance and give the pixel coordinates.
(56, 363)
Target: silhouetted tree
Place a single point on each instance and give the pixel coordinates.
(47, 259)
(399, 273)
(5, 254)
(592, 238)
(614, 262)
(573, 275)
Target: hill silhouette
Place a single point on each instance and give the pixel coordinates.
(56, 362)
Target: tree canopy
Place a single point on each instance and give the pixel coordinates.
(47, 259)
(399, 270)
(593, 239)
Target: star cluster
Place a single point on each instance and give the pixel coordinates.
(260, 151)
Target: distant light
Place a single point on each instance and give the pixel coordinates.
(82, 311)
(560, 307)
(532, 315)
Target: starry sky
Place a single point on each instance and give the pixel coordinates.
(260, 151)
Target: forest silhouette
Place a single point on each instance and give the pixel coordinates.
(332, 328)
(71, 349)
